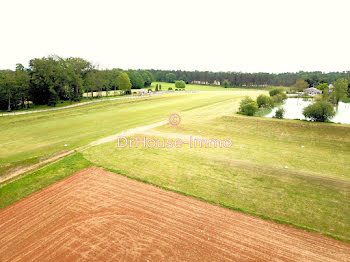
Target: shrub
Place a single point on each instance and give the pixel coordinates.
(248, 107)
(320, 111)
(149, 90)
(322, 86)
(180, 84)
(156, 88)
(279, 113)
(279, 98)
(276, 91)
(318, 98)
(170, 88)
(226, 83)
(265, 101)
(160, 87)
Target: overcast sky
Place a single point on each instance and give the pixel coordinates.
(217, 35)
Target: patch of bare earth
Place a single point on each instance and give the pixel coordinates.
(95, 215)
(14, 172)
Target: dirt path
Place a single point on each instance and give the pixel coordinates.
(70, 106)
(20, 170)
(94, 101)
(95, 215)
(12, 173)
(126, 133)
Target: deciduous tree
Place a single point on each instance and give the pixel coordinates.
(340, 89)
(124, 82)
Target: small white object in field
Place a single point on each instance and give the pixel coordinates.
(208, 238)
(285, 166)
(302, 146)
(65, 144)
(199, 131)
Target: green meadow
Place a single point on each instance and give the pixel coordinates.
(293, 172)
(25, 138)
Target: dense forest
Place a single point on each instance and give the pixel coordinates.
(249, 79)
(50, 79)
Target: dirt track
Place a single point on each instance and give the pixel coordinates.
(96, 215)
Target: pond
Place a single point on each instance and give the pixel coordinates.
(294, 110)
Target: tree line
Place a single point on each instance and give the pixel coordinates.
(50, 79)
(248, 79)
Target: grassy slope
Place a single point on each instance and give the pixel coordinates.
(31, 136)
(313, 193)
(165, 86)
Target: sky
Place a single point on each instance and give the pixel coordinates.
(219, 35)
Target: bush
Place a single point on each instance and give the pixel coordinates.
(318, 98)
(320, 111)
(279, 113)
(180, 84)
(279, 98)
(248, 107)
(276, 91)
(170, 88)
(265, 101)
(149, 90)
(226, 83)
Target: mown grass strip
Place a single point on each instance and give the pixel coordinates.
(42, 178)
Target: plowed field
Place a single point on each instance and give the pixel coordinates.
(96, 215)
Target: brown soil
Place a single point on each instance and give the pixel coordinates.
(95, 215)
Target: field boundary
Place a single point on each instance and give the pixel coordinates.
(279, 221)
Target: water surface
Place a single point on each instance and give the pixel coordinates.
(294, 110)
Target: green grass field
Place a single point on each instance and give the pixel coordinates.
(165, 86)
(193, 87)
(26, 137)
(312, 193)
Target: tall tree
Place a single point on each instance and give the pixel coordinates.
(124, 83)
(90, 82)
(340, 89)
(300, 85)
(159, 76)
(136, 79)
(22, 81)
(76, 69)
(7, 88)
(47, 80)
(170, 78)
(147, 77)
